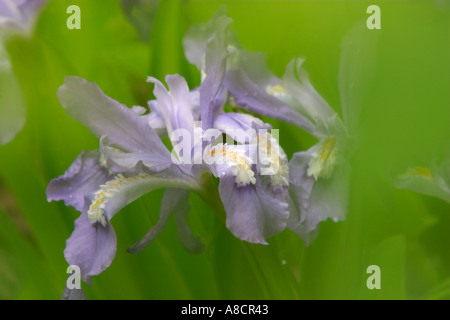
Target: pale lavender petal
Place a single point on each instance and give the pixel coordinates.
(122, 190)
(333, 126)
(215, 64)
(301, 182)
(318, 200)
(179, 91)
(83, 177)
(156, 122)
(207, 47)
(295, 222)
(7, 10)
(195, 103)
(90, 247)
(308, 101)
(253, 98)
(119, 161)
(174, 104)
(252, 215)
(237, 124)
(219, 101)
(255, 66)
(154, 107)
(155, 119)
(329, 198)
(194, 96)
(196, 39)
(302, 185)
(86, 103)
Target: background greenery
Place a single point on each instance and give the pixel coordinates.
(405, 121)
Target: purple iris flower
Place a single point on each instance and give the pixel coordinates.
(131, 161)
(319, 177)
(266, 210)
(252, 213)
(254, 186)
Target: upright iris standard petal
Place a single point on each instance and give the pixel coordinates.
(196, 39)
(83, 177)
(156, 120)
(252, 214)
(253, 98)
(215, 65)
(175, 104)
(305, 97)
(207, 47)
(104, 116)
(255, 67)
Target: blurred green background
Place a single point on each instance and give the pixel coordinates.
(404, 121)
